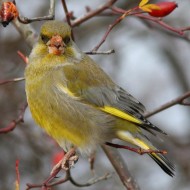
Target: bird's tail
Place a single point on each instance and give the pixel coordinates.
(143, 143)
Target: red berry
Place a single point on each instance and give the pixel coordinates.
(57, 157)
(165, 9)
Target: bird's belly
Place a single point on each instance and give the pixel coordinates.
(69, 123)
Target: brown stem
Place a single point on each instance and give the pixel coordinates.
(93, 13)
(111, 26)
(23, 57)
(121, 168)
(11, 80)
(67, 16)
(11, 126)
(25, 20)
(100, 52)
(179, 100)
(137, 150)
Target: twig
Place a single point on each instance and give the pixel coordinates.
(104, 177)
(17, 182)
(163, 24)
(138, 151)
(23, 57)
(118, 20)
(25, 20)
(27, 32)
(11, 126)
(100, 52)
(121, 168)
(111, 26)
(180, 31)
(179, 100)
(67, 16)
(11, 80)
(66, 12)
(46, 184)
(93, 13)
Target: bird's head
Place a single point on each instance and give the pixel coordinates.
(55, 37)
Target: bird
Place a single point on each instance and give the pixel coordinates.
(77, 103)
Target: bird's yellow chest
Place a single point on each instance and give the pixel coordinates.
(48, 114)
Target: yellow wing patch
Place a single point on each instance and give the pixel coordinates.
(121, 114)
(62, 88)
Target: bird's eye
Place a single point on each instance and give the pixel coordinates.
(66, 39)
(44, 38)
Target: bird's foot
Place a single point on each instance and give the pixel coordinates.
(68, 161)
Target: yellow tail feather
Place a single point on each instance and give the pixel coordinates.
(160, 159)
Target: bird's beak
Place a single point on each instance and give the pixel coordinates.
(56, 45)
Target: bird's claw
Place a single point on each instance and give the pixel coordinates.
(68, 161)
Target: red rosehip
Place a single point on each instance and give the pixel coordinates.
(165, 9)
(57, 157)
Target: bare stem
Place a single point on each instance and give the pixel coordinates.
(121, 168)
(11, 126)
(11, 80)
(137, 150)
(100, 52)
(51, 15)
(179, 100)
(67, 16)
(93, 13)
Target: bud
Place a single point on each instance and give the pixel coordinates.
(8, 12)
(165, 8)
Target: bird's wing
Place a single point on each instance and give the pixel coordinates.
(115, 101)
(118, 102)
(101, 92)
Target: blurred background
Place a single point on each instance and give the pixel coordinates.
(150, 63)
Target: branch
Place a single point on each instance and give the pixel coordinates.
(121, 168)
(11, 126)
(11, 80)
(67, 16)
(180, 100)
(163, 24)
(100, 52)
(136, 150)
(25, 20)
(23, 57)
(46, 184)
(93, 13)
(111, 26)
(27, 32)
(158, 21)
(17, 182)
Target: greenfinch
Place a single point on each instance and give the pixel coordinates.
(77, 103)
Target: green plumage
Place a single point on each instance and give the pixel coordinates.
(77, 103)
